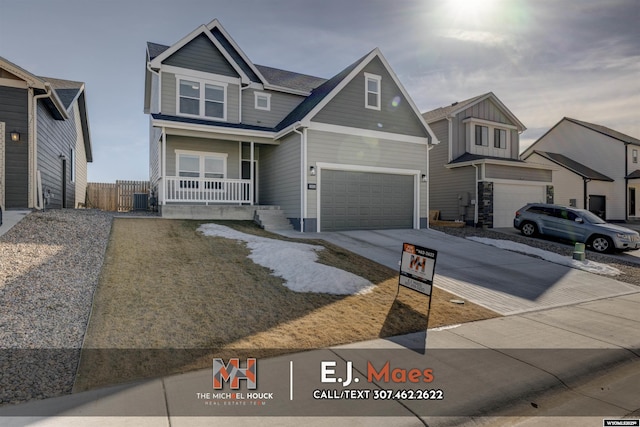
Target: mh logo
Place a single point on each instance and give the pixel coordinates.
(233, 373)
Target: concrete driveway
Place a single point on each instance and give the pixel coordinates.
(503, 281)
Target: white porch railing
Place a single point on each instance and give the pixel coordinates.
(207, 190)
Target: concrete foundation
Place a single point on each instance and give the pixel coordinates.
(219, 212)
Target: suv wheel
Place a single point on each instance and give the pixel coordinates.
(602, 244)
(529, 229)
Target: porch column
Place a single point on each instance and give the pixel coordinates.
(251, 177)
(164, 166)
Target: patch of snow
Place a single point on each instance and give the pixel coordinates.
(295, 263)
(587, 265)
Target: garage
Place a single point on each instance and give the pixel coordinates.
(353, 200)
(508, 198)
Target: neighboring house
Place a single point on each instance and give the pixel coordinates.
(475, 173)
(44, 140)
(598, 168)
(349, 152)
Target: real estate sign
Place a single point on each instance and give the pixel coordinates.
(417, 267)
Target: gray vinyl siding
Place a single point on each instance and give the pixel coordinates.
(281, 105)
(202, 55)
(485, 110)
(56, 138)
(279, 175)
(347, 108)
(445, 184)
(169, 95)
(14, 113)
(330, 147)
(517, 173)
(232, 148)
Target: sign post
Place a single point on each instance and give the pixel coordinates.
(417, 267)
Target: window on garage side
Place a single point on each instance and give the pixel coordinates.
(201, 165)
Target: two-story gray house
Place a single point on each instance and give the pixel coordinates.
(227, 135)
(44, 140)
(475, 173)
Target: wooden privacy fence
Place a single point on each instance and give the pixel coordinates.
(114, 197)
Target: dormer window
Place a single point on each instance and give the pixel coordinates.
(203, 99)
(372, 91)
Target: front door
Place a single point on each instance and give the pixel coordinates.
(598, 205)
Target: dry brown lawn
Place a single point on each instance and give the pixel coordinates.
(170, 298)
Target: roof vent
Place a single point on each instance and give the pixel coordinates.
(454, 104)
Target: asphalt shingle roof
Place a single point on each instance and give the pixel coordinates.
(468, 157)
(67, 90)
(634, 175)
(442, 112)
(576, 167)
(210, 123)
(155, 49)
(289, 79)
(606, 131)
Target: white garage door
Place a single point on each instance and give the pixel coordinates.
(508, 198)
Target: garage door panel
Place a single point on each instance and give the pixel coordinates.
(508, 198)
(363, 200)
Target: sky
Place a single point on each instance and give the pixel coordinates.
(544, 59)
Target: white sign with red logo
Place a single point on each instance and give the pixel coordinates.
(417, 268)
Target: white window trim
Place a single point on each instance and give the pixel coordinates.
(378, 80)
(201, 155)
(257, 95)
(202, 100)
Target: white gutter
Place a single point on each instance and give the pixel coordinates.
(39, 203)
(159, 85)
(303, 175)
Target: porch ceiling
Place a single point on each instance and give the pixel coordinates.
(220, 135)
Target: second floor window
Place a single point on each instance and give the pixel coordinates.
(634, 156)
(197, 98)
(482, 135)
(372, 91)
(499, 138)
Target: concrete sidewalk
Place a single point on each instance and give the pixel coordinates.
(569, 362)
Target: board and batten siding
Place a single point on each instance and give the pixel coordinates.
(281, 105)
(185, 143)
(328, 147)
(169, 98)
(347, 108)
(14, 113)
(279, 175)
(485, 110)
(202, 55)
(56, 138)
(80, 160)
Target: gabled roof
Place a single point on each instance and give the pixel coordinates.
(457, 107)
(62, 95)
(634, 175)
(289, 79)
(575, 167)
(468, 157)
(606, 131)
(596, 128)
(321, 96)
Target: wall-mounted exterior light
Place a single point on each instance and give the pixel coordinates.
(312, 170)
(424, 178)
(15, 136)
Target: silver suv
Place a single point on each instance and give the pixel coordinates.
(576, 225)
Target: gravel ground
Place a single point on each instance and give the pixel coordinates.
(50, 263)
(630, 271)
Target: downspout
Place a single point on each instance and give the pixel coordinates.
(242, 89)
(626, 181)
(303, 174)
(159, 84)
(39, 203)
